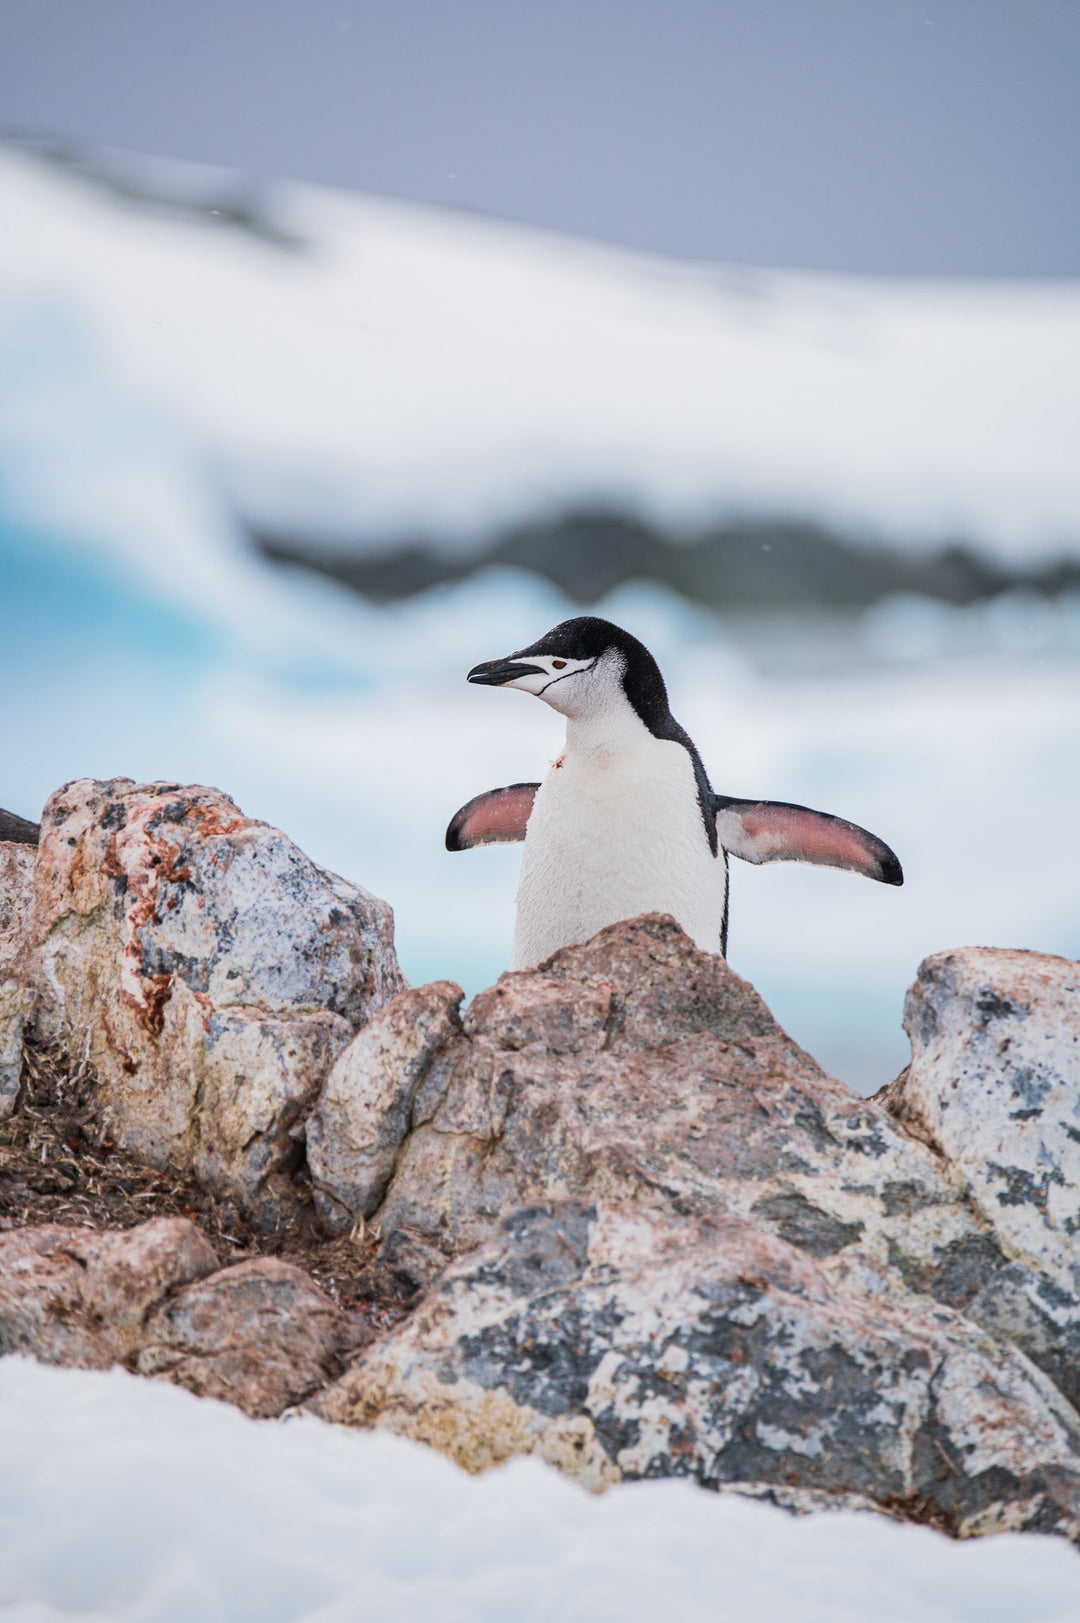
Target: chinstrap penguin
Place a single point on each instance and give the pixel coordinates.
(626, 821)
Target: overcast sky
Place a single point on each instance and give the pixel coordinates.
(940, 137)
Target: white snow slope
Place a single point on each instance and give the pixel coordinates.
(124, 1501)
(418, 369)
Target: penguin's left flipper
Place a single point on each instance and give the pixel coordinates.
(495, 818)
(773, 831)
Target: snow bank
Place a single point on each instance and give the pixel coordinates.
(409, 369)
(125, 1502)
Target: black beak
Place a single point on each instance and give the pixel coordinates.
(497, 672)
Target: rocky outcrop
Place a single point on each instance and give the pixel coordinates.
(16, 993)
(643, 1233)
(206, 970)
(633, 1105)
(258, 1334)
(619, 1343)
(994, 1088)
(639, 1068)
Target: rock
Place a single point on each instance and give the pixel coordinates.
(639, 1067)
(365, 1108)
(259, 1335)
(618, 1343)
(652, 1237)
(208, 970)
(994, 1087)
(77, 1296)
(16, 994)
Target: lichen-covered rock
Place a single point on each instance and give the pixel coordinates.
(78, 1296)
(616, 1343)
(994, 1087)
(639, 1067)
(260, 1335)
(365, 1108)
(16, 994)
(207, 969)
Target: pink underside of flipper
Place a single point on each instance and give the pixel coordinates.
(766, 831)
(495, 818)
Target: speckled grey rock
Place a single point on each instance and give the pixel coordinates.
(638, 1067)
(208, 970)
(618, 1343)
(994, 1087)
(365, 1108)
(16, 993)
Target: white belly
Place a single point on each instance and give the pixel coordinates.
(613, 835)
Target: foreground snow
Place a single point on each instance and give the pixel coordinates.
(126, 1502)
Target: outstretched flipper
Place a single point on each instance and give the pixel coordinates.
(774, 831)
(18, 829)
(495, 818)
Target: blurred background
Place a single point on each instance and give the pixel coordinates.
(343, 346)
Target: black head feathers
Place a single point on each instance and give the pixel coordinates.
(587, 637)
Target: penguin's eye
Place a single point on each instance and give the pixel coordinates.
(558, 664)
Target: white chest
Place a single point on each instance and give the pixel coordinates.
(614, 833)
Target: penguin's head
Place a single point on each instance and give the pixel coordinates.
(581, 667)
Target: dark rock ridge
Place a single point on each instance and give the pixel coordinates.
(642, 1232)
(18, 830)
(220, 204)
(741, 565)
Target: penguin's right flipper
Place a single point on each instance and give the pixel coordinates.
(777, 831)
(495, 818)
(18, 829)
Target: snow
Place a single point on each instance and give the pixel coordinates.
(126, 1501)
(411, 370)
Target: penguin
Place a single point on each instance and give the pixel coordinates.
(626, 821)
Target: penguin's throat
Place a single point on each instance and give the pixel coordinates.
(607, 730)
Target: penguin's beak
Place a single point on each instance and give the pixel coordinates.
(496, 673)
